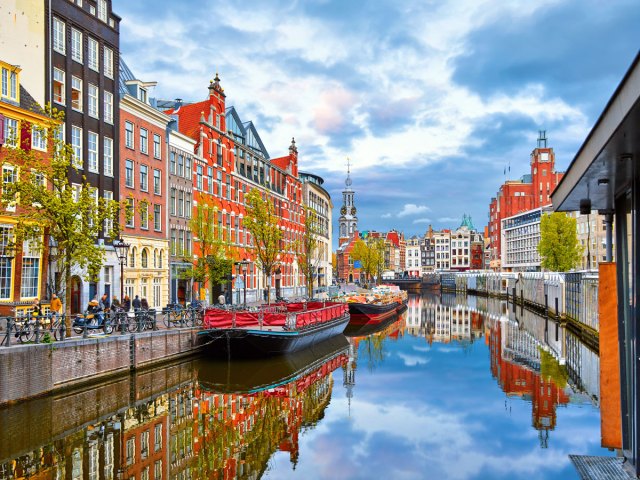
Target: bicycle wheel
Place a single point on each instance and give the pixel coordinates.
(26, 332)
(132, 323)
(56, 328)
(198, 318)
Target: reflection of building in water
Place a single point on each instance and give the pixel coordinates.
(144, 439)
(444, 323)
(516, 364)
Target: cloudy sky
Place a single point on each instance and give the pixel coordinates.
(430, 100)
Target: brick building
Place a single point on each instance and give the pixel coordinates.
(531, 191)
(143, 160)
(235, 160)
(23, 271)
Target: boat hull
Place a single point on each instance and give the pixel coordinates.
(366, 313)
(256, 342)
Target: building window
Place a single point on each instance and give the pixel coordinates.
(187, 168)
(130, 213)
(180, 203)
(128, 134)
(144, 258)
(172, 205)
(187, 242)
(102, 10)
(144, 216)
(58, 36)
(156, 146)
(172, 164)
(38, 138)
(157, 299)
(30, 269)
(157, 470)
(9, 84)
(92, 93)
(144, 178)
(9, 175)
(58, 86)
(76, 93)
(76, 45)
(187, 208)
(76, 145)
(157, 218)
(108, 62)
(199, 177)
(94, 63)
(157, 182)
(108, 107)
(173, 242)
(108, 156)
(143, 140)
(128, 173)
(131, 449)
(108, 223)
(180, 165)
(93, 152)
(210, 179)
(142, 95)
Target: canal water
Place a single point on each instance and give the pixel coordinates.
(454, 388)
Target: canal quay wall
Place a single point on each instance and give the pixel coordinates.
(41, 421)
(32, 370)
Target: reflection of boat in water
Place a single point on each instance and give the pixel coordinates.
(251, 376)
(271, 330)
(371, 327)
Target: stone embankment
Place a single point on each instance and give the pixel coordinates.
(28, 371)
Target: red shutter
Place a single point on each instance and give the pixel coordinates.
(1, 129)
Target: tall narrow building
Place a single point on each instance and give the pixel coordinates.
(348, 222)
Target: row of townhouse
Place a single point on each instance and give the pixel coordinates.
(161, 158)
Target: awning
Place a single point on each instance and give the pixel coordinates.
(602, 167)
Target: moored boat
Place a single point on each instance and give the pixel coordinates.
(382, 303)
(271, 330)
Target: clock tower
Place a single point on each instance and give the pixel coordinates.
(348, 222)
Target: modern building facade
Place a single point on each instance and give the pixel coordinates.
(318, 200)
(519, 243)
(143, 188)
(531, 191)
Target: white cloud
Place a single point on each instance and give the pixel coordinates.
(413, 360)
(386, 215)
(421, 220)
(448, 219)
(412, 209)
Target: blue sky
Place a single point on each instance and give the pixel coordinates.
(429, 99)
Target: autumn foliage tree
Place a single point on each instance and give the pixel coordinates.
(370, 253)
(263, 224)
(559, 247)
(307, 249)
(46, 202)
(213, 265)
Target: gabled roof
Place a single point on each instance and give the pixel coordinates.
(246, 130)
(27, 102)
(189, 116)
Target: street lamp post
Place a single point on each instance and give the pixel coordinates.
(243, 265)
(122, 250)
(52, 258)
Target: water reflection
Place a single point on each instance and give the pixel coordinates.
(460, 387)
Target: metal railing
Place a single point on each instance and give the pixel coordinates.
(51, 328)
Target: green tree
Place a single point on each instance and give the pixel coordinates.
(307, 248)
(559, 247)
(370, 253)
(213, 265)
(73, 216)
(262, 223)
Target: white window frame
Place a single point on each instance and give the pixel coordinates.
(107, 61)
(129, 135)
(60, 74)
(157, 146)
(102, 10)
(38, 138)
(93, 96)
(108, 222)
(59, 36)
(144, 140)
(9, 175)
(107, 156)
(76, 144)
(93, 54)
(76, 45)
(129, 180)
(11, 132)
(157, 182)
(157, 217)
(30, 280)
(131, 222)
(93, 140)
(76, 85)
(108, 107)
(144, 178)
(144, 216)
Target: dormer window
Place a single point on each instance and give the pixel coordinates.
(142, 95)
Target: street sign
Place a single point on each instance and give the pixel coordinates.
(357, 264)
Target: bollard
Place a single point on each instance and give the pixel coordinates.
(557, 328)
(63, 326)
(546, 305)
(557, 312)
(9, 327)
(37, 329)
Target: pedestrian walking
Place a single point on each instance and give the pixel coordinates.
(104, 302)
(144, 304)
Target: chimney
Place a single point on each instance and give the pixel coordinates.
(177, 103)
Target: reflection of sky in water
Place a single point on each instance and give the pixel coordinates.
(435, 411)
